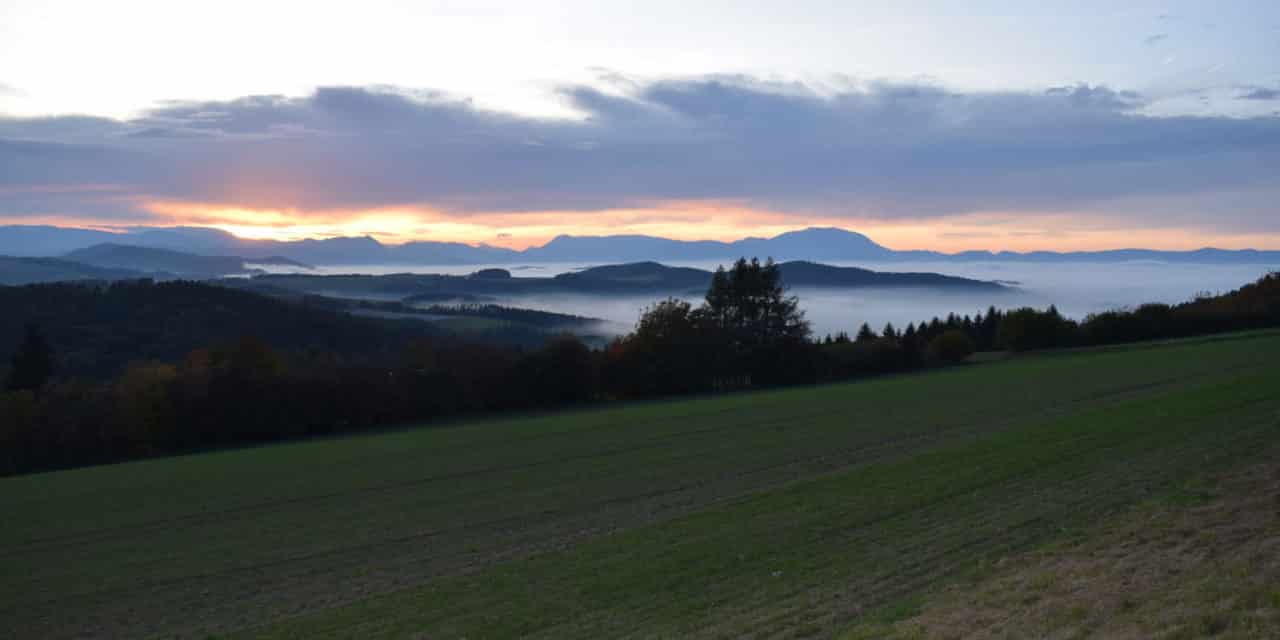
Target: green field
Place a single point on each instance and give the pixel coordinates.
(813, 511)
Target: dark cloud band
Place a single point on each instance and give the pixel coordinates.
(886, 151)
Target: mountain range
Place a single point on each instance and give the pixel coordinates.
(827, 244)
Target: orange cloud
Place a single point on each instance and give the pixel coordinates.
(1021, 231)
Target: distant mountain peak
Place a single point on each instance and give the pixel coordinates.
(826, 234)
(346, 240)
(822, 231)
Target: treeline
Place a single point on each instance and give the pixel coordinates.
(1253, 306)
(531, 317)
(516, 315)
(246, 392)
(746, 334)
(501, 325)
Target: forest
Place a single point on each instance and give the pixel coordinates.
(127, 370)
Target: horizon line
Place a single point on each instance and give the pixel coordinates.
(126, 230)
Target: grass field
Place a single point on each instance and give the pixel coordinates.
(1202, 562)
(821, 511)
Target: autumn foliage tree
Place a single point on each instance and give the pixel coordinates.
(670, 351)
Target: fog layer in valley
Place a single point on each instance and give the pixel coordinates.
(1076, 289)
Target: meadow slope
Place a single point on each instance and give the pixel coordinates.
(798, 512)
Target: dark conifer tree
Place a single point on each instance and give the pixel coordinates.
(889, 331)
(32, 364)
(910, 345)
(990, 325)
(751, 305)
(865, 333)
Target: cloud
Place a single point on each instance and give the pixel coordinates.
(967, 235)
(887, 151)
(1155, 39)
(10, 90)
(1259, 93)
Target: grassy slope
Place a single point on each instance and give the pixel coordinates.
(801, 511)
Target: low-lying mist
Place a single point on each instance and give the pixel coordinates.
(1076, 289)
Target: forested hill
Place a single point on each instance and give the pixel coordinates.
(802, 273)
(97, 329)
(798, 273)
(123, 262)
(647, 278)
(17, 271)
(165, 261)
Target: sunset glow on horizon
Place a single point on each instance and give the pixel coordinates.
(689, 221)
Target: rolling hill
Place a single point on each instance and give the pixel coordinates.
(146, 259)
(172, 263)
(98, 329)
(20, 271)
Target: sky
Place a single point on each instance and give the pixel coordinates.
(937, 125)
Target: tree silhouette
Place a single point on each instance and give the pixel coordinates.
(751, 305)
(32, 364)
(669, 352)
(865, 333)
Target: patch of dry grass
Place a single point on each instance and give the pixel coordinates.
(1202, 563)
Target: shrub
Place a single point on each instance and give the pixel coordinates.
(952, 346)
(1026, 329)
